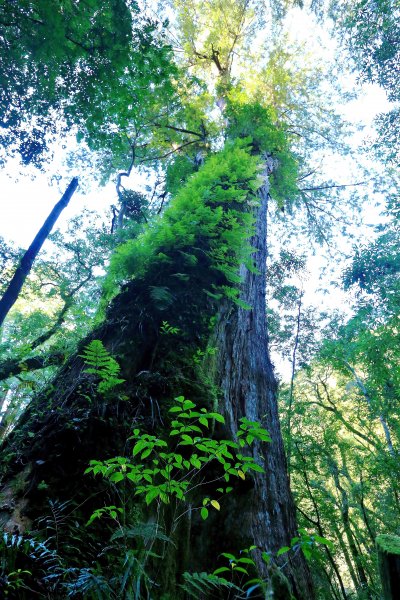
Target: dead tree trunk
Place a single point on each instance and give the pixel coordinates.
(11, 294)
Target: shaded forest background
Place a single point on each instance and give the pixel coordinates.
(148, 445)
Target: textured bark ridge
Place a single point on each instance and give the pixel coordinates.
(245, 375)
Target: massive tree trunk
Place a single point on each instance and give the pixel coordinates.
(70, 424)
(245, 375)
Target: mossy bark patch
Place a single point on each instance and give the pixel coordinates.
(388, 547)
(390, 544)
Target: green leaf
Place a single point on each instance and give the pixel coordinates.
(282, 550)
(221, 570)
(117, 476)
(204, 513)
(228, 556)
(241, 570)
(138, 447)
(322, 540)
(146, 453)
(216, 416)
(256, 467)
(246, 561)
(195, 462)
(188, 404)
(151, 495)
(187, 440)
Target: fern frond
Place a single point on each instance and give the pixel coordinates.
(147, 531)
(205, 584)
(102, 364)
(90, 584)
(161, 295)
(95, 355)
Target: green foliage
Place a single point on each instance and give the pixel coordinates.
(23, 560)
(203, 38)
(257, 124)
(375, 268)
(169, 469)
(388, 543)
(167, 329)
(91, 585)
(243, 568)
(178, 171)
(199, 584)
(57, 60)
(103, 365)
(208, 223)
(374, 41)
(134, 205)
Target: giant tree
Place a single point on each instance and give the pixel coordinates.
(183, 312)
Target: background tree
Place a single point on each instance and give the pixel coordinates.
(373, 38)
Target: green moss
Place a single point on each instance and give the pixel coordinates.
(256, 123)
(389, 544)
(281, 586)
(206, 225)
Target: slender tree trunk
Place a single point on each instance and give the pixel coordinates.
(12, 292)
(316, 522)
(344, 507)
(245, 375)
(291, 391)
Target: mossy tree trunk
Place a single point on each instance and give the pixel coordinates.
(69, 424)
(388, 547)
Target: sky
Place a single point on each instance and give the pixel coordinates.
(25, 204)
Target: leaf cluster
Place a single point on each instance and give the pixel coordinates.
(169, 469)
(101, 364)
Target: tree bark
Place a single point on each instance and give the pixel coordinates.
(388, 547)
(12, 292)
(245, 375)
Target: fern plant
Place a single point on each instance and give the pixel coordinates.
(204, 585)
(103, 365)
(91, 585)
(22, 558)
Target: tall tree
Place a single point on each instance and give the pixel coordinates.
(190, 284)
